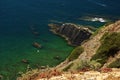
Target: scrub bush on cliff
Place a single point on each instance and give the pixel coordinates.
(75, 53)
(110, 45)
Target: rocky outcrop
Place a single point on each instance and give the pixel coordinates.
(93, 46)
(74, 34)
(78, 68)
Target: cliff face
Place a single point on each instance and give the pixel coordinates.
(101, 50)
(74, 34)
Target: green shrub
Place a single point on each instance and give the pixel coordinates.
(92, 65)
(75, 53)
(115, 64)
(110, 44)
(68, 67)
(82, 64)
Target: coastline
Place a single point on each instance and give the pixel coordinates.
(73, 30)
(103, 74)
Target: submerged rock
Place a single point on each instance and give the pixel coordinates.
(36, 45)
(25, 61)
(32, 28)
(57, 57)
(34, 31)
(42, 67)
(1, 77)
(74, 34)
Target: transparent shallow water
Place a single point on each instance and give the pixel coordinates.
(16, 17)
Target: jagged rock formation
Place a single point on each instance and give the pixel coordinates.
(93, 46)
(86, 59)
(74, 34)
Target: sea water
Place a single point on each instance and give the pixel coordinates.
(16, 38)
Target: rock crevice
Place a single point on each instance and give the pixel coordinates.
(74, 34)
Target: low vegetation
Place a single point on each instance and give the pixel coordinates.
(68, 67)
(36, 74)
(110, 45)
(88, 65)
(75, 53)
(115, 64)
(83, 65)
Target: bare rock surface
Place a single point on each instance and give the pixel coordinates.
(89, 75)
(74, 34)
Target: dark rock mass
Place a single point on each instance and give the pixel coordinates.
(74, 34)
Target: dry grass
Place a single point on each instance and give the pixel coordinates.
(48, 74)
(111, 77)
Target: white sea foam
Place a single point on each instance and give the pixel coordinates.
(98, 19)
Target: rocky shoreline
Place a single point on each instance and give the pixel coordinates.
(82, 66)
(88, 75)
(74, 34)
(53, 74)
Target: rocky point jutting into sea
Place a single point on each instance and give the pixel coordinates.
(96, 59)
(74, 34)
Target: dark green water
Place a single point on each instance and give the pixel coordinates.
(16, 17)
(14, 49)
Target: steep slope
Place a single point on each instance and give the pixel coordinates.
(102, 50)
(91, 48)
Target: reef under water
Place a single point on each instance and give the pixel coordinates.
(25, 39)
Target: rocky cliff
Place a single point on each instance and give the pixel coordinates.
(100, 51)
(74, 34)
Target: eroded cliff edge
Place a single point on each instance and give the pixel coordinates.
(100, 51)
(74, 34)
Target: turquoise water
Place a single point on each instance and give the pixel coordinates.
(16, 17)
(15, 48)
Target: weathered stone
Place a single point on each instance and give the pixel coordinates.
(1, 77)
(74, 34)
(42, 67)
(34, 31)
(36, 45)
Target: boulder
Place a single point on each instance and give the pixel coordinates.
(36, 33)
(25, 61)
(42, 67)
(34, 30)
(1, 77)
(36, 45)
